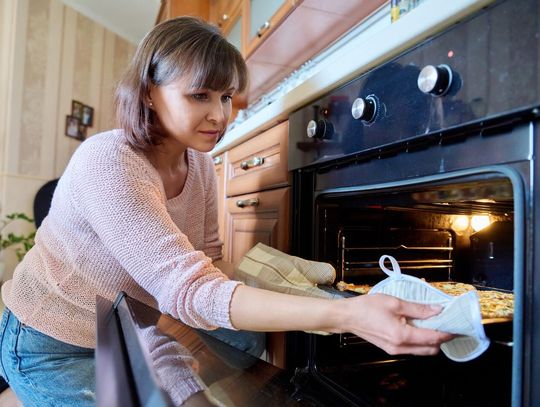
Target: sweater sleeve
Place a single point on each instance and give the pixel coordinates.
(212, 243)
(173, 364)
(120, 196)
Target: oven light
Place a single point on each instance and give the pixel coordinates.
(486, 200)
(460, 223)
(479, 222)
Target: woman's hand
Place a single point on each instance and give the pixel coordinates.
(382, 320)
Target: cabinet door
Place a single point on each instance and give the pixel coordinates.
(234, 35)
(225, 12)
(174, 8)
(260, 162)
(219, 165)
(260, 217)
(225, 8)
(263, 16)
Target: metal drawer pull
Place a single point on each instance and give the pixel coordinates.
(254, 162)
(263, 28)
(218, 160)
(242, 203)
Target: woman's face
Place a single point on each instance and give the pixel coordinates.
(194, 118)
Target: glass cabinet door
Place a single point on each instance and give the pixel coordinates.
(261, 18)
(261, 12)
(235, 35)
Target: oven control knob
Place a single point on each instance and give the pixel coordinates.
(320, 129)
(365, 109)
(311, 128)
(435, 80)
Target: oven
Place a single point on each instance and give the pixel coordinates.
(430, 158)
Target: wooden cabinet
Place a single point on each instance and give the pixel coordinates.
(223, 12)
(174, 8)
(259, 163)
(260, 217)
(219, 165)
(261, 18)
(257, 207)
(227, 15)
(245, 23)
(257, 185)
(275, 36)
(307, 29)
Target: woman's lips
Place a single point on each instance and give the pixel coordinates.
(211, 133)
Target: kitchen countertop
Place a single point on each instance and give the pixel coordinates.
(362, 53)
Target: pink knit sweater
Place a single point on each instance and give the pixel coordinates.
(111, 228)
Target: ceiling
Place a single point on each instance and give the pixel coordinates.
(130, 19)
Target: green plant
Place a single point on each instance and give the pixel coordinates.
(22, 242)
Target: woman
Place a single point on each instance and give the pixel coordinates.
(136, 210)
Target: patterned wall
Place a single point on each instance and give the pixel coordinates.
(49, 55)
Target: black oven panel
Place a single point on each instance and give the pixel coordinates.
(432, 158)
(466, 76)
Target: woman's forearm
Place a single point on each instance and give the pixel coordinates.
(261, 310)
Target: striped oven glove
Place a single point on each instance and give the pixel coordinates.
(271, 269)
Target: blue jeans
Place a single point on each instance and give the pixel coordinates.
(43, 371)
(250, 343)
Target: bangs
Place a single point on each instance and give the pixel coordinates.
(218, 72)
(211, 63)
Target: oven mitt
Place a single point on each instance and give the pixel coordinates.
(271, 269)
(460, 315)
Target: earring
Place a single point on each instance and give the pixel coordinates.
(151, 104)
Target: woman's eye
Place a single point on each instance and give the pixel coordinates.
(199, 96)
(226, 98)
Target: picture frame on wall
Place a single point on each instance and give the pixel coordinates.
(77, 109)
(72, 127)
(82, 132)
(87, 116)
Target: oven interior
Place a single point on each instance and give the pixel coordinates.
(452, 230)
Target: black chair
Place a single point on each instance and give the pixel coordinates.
(42, 201)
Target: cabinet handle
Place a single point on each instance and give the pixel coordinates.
(254, 162)
(218, 160)
(224, 17)
(263, 28)
(242, 203)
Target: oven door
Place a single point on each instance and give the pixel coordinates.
(419, 206)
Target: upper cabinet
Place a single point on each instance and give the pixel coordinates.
(306, 29)
(174, 8)
(276, 36)
(262, 17)
(227, 15)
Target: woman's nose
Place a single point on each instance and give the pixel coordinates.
(216, 113)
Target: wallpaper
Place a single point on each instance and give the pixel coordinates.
(49, 55)
(54, 32)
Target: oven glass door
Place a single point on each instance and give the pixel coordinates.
(448, 229)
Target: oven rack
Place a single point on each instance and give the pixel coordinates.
(363, 261)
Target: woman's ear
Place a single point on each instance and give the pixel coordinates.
(148, 100)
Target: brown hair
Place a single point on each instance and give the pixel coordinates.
(177, 47)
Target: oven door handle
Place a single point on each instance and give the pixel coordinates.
(242, 203)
